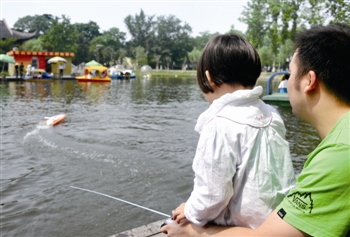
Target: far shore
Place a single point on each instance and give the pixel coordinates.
(190, 73)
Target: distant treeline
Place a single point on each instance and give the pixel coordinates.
(166, 42)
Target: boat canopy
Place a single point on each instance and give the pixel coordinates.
(99, 68)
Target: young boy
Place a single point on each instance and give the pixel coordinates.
(242, 164)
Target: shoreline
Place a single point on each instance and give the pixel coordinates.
(164, 74)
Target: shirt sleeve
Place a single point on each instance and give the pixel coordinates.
(214, 166)
(320, 202)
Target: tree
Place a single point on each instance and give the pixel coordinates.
(140, 56)
(117, 43)
(86, 32)
(114, 32)
(82, 53)
(122, 54)
(200, 41)
(106, 48)
(233, 30)
(285, 54)
(290, 14)
(61, 37)
(254, 15)
(156, 58)
(266, 56)
(89, 30)
(172, 39)
(141, 29)
(194, 56)
(7, 45)
(274, 9)
(167, 62)
(314, 12)
(32, 45)
(39, 23)
(339, 10)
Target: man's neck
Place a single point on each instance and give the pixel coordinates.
(326, 115)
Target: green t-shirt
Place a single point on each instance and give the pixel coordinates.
(319, 205)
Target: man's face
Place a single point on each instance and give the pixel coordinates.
(294, 92)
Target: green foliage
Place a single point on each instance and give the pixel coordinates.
(314, 12)
(233, 30)
(254, 15)
(194, 56)
(203, 38)
(89, 30)
(274, 10)
(39, 23)
(82, 53)
(105, 48)
(266, 56)
(6, 45)
(172, 39)
(4, 73)
(114, 41)
(285, 54)
(117, 34)
(140, 56)
(280, 20)
(86, 32)
(141, 29)
(339, 10)
(165, 40)
(32, 45)
(61, 37)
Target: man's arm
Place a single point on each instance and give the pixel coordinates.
(272, 226)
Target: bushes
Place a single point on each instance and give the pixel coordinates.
(4, 73)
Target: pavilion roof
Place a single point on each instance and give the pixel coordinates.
(35, 53)
(6, 32)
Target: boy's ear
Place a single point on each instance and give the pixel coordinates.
(312, 82)
(211, 83)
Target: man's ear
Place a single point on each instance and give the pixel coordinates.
(312, 82)
(211, 83)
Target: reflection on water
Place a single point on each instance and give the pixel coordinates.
(132, 139)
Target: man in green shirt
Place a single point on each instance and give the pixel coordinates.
(318, 90)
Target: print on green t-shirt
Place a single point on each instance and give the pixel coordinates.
(302, 201)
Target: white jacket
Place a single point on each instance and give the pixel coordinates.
(243, 168)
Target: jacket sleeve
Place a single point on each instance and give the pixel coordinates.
(214, 166)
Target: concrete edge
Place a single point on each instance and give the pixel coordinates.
(152, 229)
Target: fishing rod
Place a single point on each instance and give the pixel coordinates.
(121, 200)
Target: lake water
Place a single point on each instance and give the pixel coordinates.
(131, 139)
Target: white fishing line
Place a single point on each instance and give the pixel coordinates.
(121, 200)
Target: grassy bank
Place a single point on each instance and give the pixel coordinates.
(171, 73)
(188, 73)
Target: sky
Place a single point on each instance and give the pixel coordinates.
(212, 16)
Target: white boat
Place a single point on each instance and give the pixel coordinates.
(119, 72)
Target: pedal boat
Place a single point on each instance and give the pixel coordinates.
(94, 74)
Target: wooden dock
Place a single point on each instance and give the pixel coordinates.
(13, 78)
(152, 229)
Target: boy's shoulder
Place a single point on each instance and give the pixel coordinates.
(256, 113)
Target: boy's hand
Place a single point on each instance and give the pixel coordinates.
(179, 213)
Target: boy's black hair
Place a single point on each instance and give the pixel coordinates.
(326, 51)
(230, 59)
